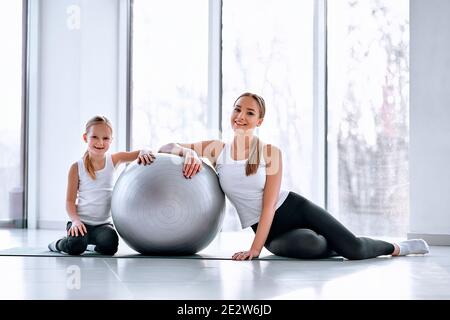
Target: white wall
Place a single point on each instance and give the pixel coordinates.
(77, 77)
(430, 120)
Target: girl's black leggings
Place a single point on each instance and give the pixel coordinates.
(301, 229)
(104, 237)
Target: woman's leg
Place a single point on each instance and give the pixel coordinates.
(105, 239)
(298, 243)
(298, 212)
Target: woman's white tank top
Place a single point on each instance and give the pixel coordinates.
(244, 192)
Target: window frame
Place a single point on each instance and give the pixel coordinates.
(30, 94)
(24, 150)
(319, 189)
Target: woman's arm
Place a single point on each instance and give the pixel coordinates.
(144, 157)
(180, 149)
(209, 149)
(71, 196)
(271, 192)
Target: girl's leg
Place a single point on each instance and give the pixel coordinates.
(105, 239)
(72, 245)
(298, 212)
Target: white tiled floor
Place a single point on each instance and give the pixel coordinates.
(412, 277)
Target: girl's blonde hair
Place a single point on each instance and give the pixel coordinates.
(86, 158)
(254, 158)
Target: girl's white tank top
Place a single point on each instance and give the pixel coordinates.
(94, 196)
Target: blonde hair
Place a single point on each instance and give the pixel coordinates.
(86, 158)
(254, 157)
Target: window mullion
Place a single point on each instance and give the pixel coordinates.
(214, 107)
(319, 187)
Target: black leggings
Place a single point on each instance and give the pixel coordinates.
(301, 229)
(103, 236)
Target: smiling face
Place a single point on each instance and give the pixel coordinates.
(98, 137)
(246, 115)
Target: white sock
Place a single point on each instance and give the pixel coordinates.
(53, 246)
(413, 246)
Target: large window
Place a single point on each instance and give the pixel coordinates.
(11, 157)
(368, 79)
(274, 48)
(170, 72)
(268, 50)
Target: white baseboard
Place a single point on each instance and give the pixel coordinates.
(6, 223)
(432, 239)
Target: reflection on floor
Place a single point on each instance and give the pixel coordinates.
(412, 277)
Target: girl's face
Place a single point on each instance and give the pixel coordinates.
(246, 115)
(98, 138)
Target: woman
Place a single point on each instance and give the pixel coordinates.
(284, 222)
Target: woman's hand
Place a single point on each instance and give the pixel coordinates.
(246, 255)
(192, 164)
(77, 226)
(146, 158)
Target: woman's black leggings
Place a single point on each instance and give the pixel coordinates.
(301, 229)
(103, 236)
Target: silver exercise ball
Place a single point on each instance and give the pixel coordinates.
(157, 211)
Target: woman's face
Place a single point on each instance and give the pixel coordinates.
(246, 115)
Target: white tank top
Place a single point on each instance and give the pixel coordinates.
(94, 196)
(244, 192)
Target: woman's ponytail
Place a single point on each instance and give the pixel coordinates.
(254, 158)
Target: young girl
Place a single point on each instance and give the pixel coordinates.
(89, 191)
(284, 222)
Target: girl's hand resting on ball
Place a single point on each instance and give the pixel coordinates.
(145, 158)
(192, 164)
